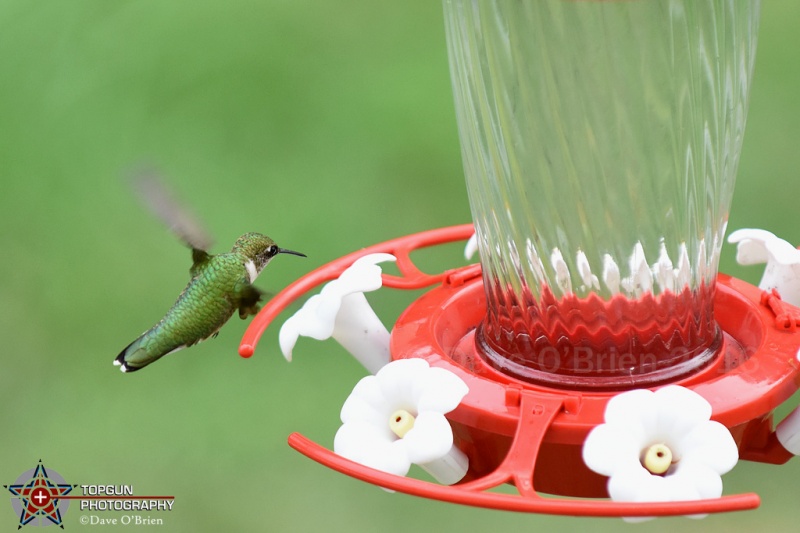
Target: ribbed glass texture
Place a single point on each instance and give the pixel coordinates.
(600, 142)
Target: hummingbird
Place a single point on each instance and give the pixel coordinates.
(219, 286)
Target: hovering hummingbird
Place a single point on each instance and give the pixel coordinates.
(219, 285)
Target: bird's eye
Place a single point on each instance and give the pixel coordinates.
(272, 250)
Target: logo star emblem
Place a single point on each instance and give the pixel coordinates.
(39, 497)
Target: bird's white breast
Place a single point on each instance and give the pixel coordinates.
(252, 272)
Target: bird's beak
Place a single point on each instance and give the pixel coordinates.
(285, 251)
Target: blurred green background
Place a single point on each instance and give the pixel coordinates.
(328, 126)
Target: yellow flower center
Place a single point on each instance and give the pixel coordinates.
(401, 422)
(657, 459)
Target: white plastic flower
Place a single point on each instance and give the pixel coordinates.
(341, 311)
(660, 446)
(396, 418)
(756, 246)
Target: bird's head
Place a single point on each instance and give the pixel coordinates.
(257, 250)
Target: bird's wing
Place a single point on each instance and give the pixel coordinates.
(199, 258)
(158, 199)
(247, 298)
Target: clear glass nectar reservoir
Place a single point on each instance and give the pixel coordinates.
(600, 143)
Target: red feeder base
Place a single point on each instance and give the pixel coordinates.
(531, 435)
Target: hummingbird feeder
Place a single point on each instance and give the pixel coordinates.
(594, 351)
